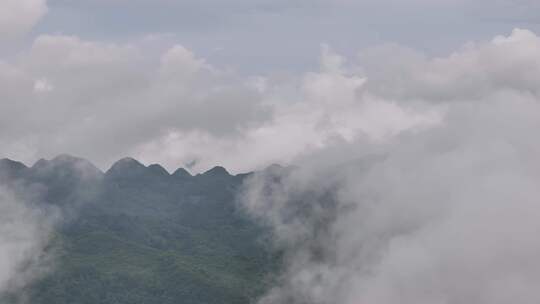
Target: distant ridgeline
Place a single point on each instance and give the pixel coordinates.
(137, 234)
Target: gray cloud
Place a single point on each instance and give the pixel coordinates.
(442, 214)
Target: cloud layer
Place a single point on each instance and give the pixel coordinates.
(102, 100)
(446, 213)
(107, 100)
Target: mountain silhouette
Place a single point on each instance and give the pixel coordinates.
(137, 234)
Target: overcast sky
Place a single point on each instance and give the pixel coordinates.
(241, 83)
(268, 35)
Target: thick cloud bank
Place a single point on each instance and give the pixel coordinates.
(104, 100)
(25, 233)
(446, 212)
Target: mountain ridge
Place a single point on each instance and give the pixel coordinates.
(125, 161)
(123, 165)
(138, 234)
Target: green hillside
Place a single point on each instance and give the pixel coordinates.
(136, 234)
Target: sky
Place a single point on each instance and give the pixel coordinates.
(237, 83)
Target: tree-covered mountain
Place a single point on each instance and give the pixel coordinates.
(137, 234)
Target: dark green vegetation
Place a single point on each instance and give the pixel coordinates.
(137, 234)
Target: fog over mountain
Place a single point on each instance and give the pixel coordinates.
(157, 97)
(439, 213)
(25, 232)
(409, 160)
(133, 234)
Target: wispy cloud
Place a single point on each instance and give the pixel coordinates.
(25, 233)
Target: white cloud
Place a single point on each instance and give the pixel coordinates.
(95, 88)
(309, 113)
(19, 16)
(442, 214)
(184, 109)
(181, 62)
(42, 85)
(24, 234)
(505, 63)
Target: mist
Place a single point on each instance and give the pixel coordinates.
(438, 212)
(26, 251)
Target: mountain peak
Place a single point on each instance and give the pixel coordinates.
(66, 158)
(126, 165)
(6, 162)
(77, 162)
(67, 163)
(158, 169)
(217, 171)
(10, 167)
(128, 160)
(181, 173)
(40, 163)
